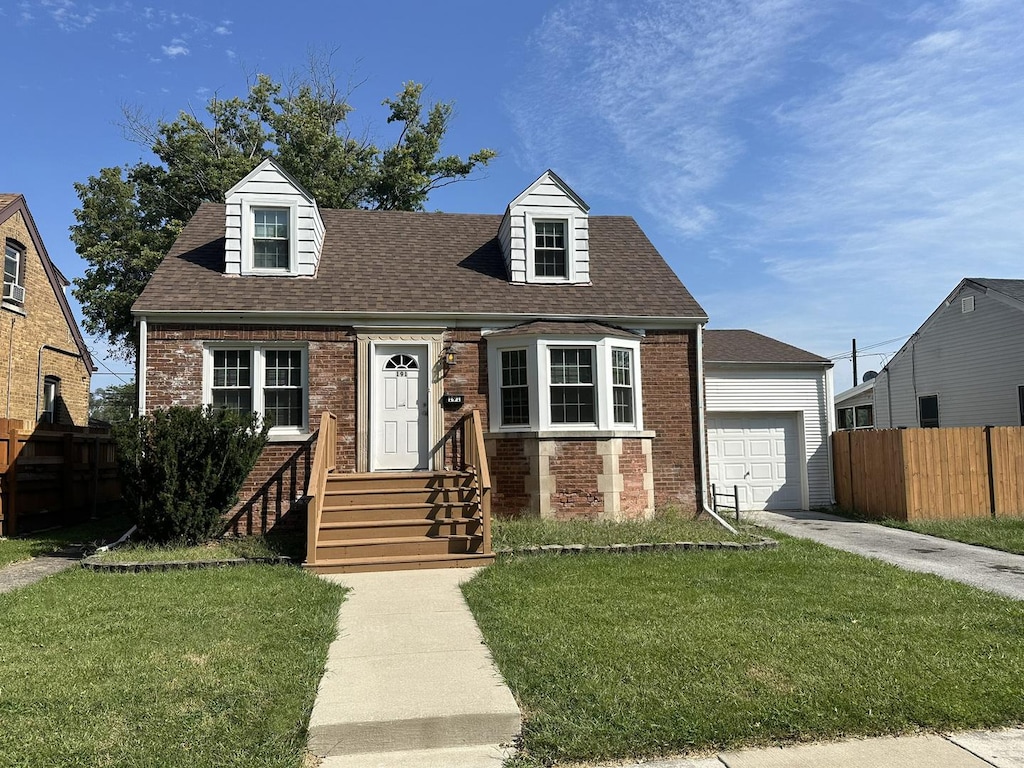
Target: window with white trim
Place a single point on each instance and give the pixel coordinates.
(14, 273)
(51, 396)
(622, 385)
(573, 395)
(550, 258)
(589, 383)
(270, 238)
(515, 388)
(269, 380)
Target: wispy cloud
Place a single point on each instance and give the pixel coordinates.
(224, 28)
(176, 48)
(829, 169)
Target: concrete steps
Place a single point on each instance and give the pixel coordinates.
(409, 673)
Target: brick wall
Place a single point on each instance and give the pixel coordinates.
(468, 377)
(22, 334)
(174, 376)
(575, 465)
(509, 464)
(633, 466)
(669, 363)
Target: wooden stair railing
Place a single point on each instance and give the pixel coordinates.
(324, 462)
(463, 450)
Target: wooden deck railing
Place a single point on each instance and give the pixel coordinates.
(463, 450)
(323, 463)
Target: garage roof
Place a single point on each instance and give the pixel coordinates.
(741, 346)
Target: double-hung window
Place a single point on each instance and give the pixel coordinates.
(549, 252)
(268, 380)
(515, 388)
(622, 385)
(270, 238)
(573, 396)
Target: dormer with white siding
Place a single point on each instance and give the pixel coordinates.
(544, 234)
(272, 226)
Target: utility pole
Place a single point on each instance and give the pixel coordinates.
(855, 381)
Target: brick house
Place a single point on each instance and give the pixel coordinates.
(567, 333)
(45, 367)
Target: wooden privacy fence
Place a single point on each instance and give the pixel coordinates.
(919, 474)
(54, 475)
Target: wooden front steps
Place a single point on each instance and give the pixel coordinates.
(399, 521)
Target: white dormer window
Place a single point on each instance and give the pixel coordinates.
(272, 226)
(549, 252)
(270, 238)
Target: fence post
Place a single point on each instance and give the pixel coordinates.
(714, 499)
(95, 456)
(736, 500)
(991, 475)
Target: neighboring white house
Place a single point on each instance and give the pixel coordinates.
(855, 407)
(769, 416)
(964, 366)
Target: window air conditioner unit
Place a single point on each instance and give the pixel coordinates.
(14, 292)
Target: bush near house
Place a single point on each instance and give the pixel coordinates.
(181, 469)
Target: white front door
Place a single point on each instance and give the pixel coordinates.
(400, 408)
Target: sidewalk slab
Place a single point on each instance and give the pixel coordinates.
(409, 670)
(26, 572)
(926, 751)
(1003, 748)
(457, 757)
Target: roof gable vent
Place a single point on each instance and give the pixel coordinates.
(966, 304)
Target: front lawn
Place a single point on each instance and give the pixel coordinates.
(202, 668)
(1005, 533)
(105, 529)
(624, 657)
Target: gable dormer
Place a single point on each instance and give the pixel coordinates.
(544, 235)
(272, 226)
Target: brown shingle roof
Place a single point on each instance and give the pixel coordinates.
(399, 261)
(748, 347)
(6, 198)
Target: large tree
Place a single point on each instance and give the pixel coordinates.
(129, 216)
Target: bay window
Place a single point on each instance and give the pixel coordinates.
(588, 383)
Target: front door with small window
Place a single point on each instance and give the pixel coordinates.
(400, 408)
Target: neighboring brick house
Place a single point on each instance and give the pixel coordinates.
(45, 367)
(568, 332)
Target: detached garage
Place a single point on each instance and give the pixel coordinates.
(769, 415)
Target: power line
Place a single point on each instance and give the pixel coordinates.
(849, 355)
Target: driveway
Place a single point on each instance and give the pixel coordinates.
(980, 567)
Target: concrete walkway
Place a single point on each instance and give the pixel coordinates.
(409, 681)
(980, 567)
(975, 749)
(25, 572)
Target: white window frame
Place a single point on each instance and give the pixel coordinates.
(252, 203)
(538, 361)
(257, 351)
(539, 216)
(18, 252)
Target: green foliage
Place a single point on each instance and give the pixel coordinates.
(130, 216)
(114, 404)
(182, 468)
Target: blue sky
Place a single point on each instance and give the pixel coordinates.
(813, 170)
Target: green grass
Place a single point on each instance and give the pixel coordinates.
(665, 653)
(185, 668)
(1005, 533)
(106, 529)
(523, 532)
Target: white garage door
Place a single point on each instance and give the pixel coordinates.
(760, 454)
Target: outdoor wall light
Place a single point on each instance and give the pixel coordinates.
(449, 357)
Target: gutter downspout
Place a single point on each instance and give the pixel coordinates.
(702, 436)
(10, 368)
(830, 427)
(140, 376)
